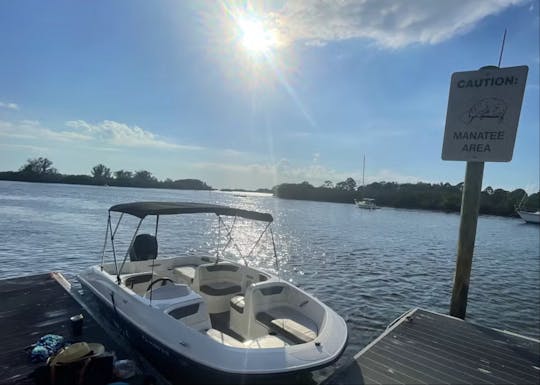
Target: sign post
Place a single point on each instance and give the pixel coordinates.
(481, 126)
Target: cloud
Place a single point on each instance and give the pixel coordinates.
(108, 134)
(391, 24)
(36, 149)
(122, 135)
(32, 129)
(9, 106)
(284, 171)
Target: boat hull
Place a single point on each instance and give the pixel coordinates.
(530, 217)
(125, 313)
(179, 369)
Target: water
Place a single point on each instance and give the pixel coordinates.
(369, 266)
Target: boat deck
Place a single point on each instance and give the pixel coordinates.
(430, 348)
(33, 306)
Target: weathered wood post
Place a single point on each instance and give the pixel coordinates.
(481, 126)
(467, 234)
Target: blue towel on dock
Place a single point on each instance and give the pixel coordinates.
(46, 346)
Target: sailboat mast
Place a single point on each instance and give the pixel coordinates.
(363, 169)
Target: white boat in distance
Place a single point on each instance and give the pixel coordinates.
(366, 203)
(218, 315)
(529, 216)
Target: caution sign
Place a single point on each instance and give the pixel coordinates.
(483, 114)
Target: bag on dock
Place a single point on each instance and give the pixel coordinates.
(46, 346)
(78, 364)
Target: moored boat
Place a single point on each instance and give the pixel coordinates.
(366, 203)
(223, 316)
(529, 216)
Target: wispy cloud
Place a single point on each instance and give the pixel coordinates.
(9, 106)
(123, 135)
(32, 129)
(36, 149)
(109, 135)
(284, 171)
(391, 24)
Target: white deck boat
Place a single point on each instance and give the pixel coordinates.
(366, 203)
(219, 315)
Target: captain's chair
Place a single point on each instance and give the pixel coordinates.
(144, 247)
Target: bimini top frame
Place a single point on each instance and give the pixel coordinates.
(143, 209)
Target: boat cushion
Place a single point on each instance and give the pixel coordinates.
(238, 303)
(292, 330)
(266, 342)
(223, 338)
(168, 291)
(187, 272)
(289, 328)
(220, 288)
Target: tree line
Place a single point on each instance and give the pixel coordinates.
(41, 170)
(439, 196)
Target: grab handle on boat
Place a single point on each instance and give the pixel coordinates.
(184, 344)
(303, 303)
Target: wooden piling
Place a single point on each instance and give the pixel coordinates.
(470, 205)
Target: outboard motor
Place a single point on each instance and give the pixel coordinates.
(144, 247)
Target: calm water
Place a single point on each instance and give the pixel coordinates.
(369, 266)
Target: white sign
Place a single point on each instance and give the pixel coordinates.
(483, 114)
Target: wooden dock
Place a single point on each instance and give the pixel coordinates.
(424, 347)
(421, 347)
(36, 305)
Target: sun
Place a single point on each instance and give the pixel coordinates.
(254, 37)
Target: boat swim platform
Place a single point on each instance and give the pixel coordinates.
(35, 305)
(424, 347)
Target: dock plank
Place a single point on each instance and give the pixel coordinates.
(432, 348)
(33, 306)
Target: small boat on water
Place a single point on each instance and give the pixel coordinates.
(218, 315)
(529, 216)
(366, 203)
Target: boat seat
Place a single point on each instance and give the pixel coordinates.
(224, 338)
(186, 273)
(290, 329)
(220, 288)
(238, 303)
(144, 247)
(266, 342)
(168, 291)
(138, 282)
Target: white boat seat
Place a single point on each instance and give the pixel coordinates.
(220, 288)
(290, 329)
(168, 291)
(137, 278)
(266, 342)
(224, 338)
(138, 282)
(238, 303)
(187, 272)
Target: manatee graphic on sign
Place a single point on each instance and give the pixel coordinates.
(492, 108)
(483, 114)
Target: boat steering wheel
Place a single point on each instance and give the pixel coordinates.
(162, 280)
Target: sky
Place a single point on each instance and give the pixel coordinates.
(250, 94)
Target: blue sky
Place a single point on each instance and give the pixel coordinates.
(184, 89)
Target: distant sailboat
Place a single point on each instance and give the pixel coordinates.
(366, 203)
